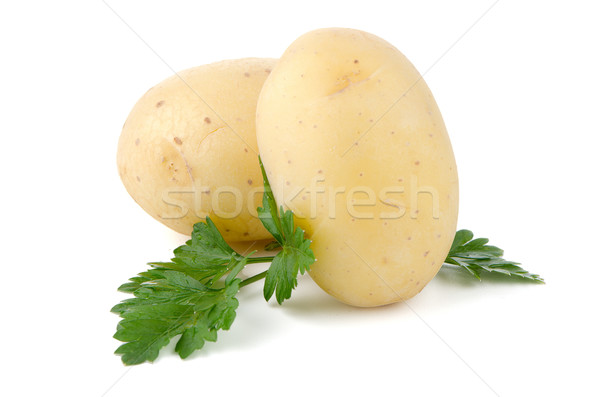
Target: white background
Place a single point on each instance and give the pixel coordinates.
(519, 94)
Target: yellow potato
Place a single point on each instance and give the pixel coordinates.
(188, 149)
(353, 142)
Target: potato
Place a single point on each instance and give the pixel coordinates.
(188, 149)
(354, 143)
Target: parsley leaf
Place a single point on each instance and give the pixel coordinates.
(475, 256)
(295, 255)
(180, 298)
(268, 212)
(168, 306)
(193, 295)
(283, 272)
(203, 257)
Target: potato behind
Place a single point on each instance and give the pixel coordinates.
(188, 149)
(354, 143)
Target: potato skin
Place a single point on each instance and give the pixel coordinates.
(190, 140)
(345, 119)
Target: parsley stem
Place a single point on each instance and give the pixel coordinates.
(260, 259)
(254, 278)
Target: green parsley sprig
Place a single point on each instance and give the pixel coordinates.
(295, 255)
(194, 295)
(475, 256)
